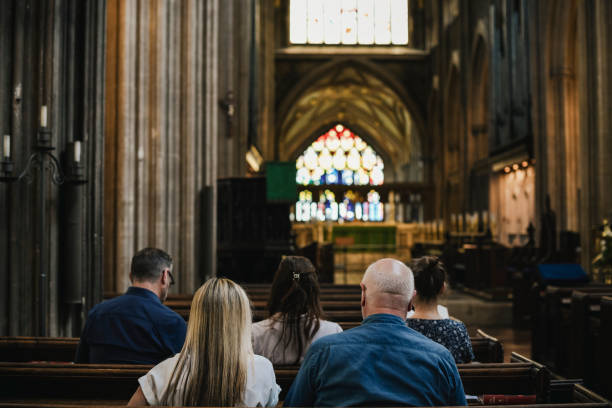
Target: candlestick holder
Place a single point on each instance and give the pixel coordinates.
(6, 171)
(43, 139)
(42, 160)
(75, 173)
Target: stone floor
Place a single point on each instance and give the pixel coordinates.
(476, 312)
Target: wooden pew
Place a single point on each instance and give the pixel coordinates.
(586, 345)
(114, 384)
(562, 389)
(262, 292)
(486, 349)
(327, 305)
(550, 335)
(38, 348)
(604, 371)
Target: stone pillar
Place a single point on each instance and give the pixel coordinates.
(155, 172)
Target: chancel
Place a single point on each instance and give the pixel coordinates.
(469, 141)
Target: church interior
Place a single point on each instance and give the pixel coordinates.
(232, 133)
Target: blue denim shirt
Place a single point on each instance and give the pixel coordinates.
(135, 328)
(382, 362)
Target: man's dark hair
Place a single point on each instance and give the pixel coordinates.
(148, 264)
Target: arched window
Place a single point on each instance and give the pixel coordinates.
(339, 157)
(349, 22)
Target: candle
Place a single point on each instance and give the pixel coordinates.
(77, 151)
(43, 116)
(7, 146)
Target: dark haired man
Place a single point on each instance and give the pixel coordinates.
(135, 328)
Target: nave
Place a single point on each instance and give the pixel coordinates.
(235, 133)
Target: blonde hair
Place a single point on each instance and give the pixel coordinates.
(211, 369)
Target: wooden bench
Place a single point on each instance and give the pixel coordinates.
(587, 346)
(262, 292)
(552, 325)
(327, 305)
(603, 369)
(486, 349)
(114, 384)
(561, 389)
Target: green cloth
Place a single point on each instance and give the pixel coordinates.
(368, 239)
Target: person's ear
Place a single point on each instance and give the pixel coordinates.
(363, 293)
(442, 289)
(164, 277)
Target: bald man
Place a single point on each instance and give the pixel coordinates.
(381, 362)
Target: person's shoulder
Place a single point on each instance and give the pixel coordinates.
(262, 365)
(106, 306)
(163, 369)
(328, 341)
(262, 324)
(425, 344)
(329, 327)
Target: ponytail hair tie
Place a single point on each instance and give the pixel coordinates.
(296, 276)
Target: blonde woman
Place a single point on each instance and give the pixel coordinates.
(216, 366)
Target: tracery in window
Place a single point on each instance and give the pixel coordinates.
(349, 22)
(352, 207)
(339, 157)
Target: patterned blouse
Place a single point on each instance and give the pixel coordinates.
(450, 333)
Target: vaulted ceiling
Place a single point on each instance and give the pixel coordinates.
(358, 99)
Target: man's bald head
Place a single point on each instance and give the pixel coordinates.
(387, 286)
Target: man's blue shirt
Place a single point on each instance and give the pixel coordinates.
(382, 362)
(135, 328)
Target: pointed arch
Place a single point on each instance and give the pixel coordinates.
(359, 95)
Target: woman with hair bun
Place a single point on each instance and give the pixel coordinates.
(430, 283)
(295, 315)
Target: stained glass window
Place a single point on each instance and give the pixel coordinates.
(348, 22)
(351, 208)
(340, 157)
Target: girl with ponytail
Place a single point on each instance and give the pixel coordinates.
(295, 316)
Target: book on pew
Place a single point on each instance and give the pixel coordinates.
(497, 399)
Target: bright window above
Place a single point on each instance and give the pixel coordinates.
(348, 22)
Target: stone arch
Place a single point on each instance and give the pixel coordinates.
(357, 94)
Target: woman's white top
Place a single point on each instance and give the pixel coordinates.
(442, 311)
(266, 334)
(261, 387)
